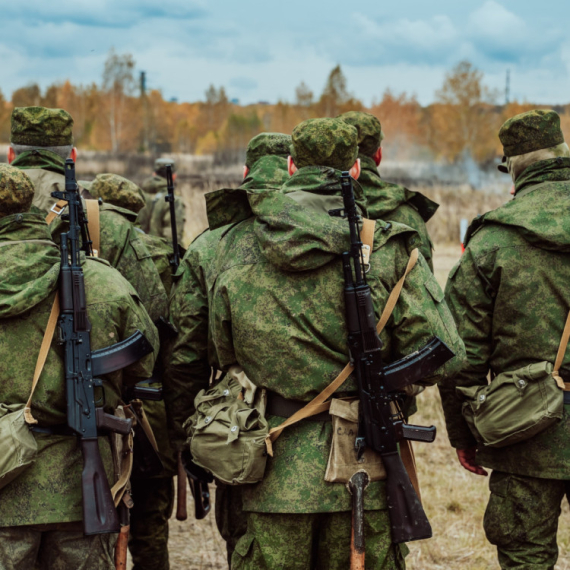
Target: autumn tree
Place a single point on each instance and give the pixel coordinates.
(462, 119)
(29, 96)
(4, 119)
(118, 84)
(335, 98)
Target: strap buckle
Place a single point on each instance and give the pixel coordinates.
(57, 209)
(366, 257)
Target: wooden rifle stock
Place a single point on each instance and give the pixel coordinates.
(181, 491)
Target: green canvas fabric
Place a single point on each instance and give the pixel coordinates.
(267, 144)
(392, 202)
(278, 313)
(39, 126)
(369, 129)
(509, 297)
(530, 131)
(118, 191)
(50, 490)
(16, 191)
(39, 159)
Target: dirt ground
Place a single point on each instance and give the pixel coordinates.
(454, 500)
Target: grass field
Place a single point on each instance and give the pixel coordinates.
(454, 499)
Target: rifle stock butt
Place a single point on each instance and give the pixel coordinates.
(181, 492)
(121, 549)
(407, 516)
(99, 512)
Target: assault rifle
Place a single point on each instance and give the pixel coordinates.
(83, 367)
(197, 478)
(381, 423)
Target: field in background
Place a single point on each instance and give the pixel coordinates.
(454, 499)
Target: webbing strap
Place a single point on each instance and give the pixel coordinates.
(560, 356)
(44, 349)
(319, 404)
(92, 207)
(55, 211)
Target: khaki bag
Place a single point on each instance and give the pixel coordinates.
(519, 404)
(18, 447)
(226, 434)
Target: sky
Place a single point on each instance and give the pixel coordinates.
(260, 50)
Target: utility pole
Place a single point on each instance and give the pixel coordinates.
(144, 103)
(508, 87)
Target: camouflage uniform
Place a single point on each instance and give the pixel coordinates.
(148, 540)
(121, 245)
(154, 218)
(191, 359)
(385, 200)
(509, 295)
(277, 310)
(40, 519)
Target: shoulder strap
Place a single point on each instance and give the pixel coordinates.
(92, 207)
(560, 356)
(44, 349)
(55, 211)
(319, 404)
(367, 239)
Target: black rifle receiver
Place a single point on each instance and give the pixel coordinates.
(175, 261)
(99, 513)
(379, 428)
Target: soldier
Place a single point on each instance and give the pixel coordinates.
(40, 519)
(276, 310)
(154, 218)
(509, 295)
(41, 140)
(153, 496)
(385, 200)
(190, 363)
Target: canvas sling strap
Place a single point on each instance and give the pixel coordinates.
(92, 207)
(319, 403)
(560, 356)
(44, 350)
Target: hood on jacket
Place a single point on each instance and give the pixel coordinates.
(29, 263)
(230, 205)
(384, 197)
(540, 210)
(293, 228)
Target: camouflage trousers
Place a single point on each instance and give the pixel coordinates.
(522, 519)
(55, 547)
(148, 541)
(314, 542)
(230, 518)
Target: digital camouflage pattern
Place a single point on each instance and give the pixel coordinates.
(119, 191)
(121, 244)
(369, 129)
(266, 144)
(55, 547)
(153, 505)
(324, 142)
(50, 490)
(16, 191)
(521, 519)
(38, 126)
(509, 295)
(288, 541)
(395, 203)
(530, 131)
(278, 288)
(160, 217)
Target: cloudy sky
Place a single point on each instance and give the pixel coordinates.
(262, 49)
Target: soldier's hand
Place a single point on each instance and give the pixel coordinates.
(467, 459)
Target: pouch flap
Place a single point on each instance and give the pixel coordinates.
(346, 409)
(249, 388)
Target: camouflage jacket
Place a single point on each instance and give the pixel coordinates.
(154, 218)
(277, 309)
(192, 356)
(50, 490)
(121, 245)
(394, 203)
(509, 295)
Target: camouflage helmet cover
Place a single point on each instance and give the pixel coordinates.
(39, 126)
(369, 129)
(118, 191)
(266, 144)
(530, 131)
(16, 191)
(324, 142)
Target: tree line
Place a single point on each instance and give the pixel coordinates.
(119, 115)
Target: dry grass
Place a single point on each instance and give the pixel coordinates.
(454, 499)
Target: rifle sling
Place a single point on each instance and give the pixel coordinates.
(44, 349)
(319, 403)
(560, 356)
